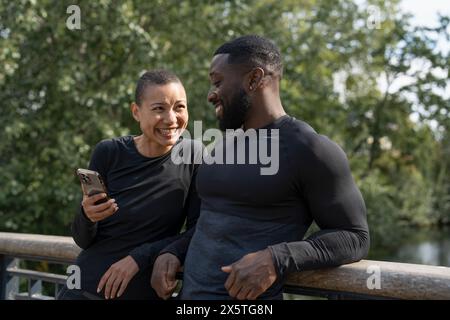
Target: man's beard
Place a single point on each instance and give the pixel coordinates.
(234, 113)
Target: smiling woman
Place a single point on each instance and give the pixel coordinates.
(162, 115)
(150, 198)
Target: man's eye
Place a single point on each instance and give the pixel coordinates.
(216, 84)
(181, 106)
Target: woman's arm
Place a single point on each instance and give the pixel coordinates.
(84, 229)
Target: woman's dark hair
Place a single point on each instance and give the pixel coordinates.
(153, 77)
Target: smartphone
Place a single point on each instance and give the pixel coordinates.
(92, 183)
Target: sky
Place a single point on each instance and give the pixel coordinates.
(425, 11)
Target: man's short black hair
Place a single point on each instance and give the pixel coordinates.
(255, 51)
(153, 77)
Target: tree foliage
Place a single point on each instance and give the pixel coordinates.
(64, 90)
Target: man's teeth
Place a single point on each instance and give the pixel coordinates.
(218, 110)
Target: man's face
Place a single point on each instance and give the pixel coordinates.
(227, 93)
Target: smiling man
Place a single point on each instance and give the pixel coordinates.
(251, 229)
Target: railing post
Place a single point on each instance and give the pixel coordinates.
(9, 285)
(34, 287)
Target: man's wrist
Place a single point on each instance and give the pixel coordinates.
(169, 252)
(278, 266)
(172, 252)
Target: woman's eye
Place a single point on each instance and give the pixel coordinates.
(216, 84)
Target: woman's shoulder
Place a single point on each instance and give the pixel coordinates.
(114, 143)
(110, 148)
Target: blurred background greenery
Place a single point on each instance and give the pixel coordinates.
(379, 90)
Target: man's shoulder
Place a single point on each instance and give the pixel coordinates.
(301, 134)
(306, 141)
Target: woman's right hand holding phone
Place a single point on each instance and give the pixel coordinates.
(97, 212)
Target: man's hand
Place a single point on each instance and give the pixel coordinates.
(101, 211)
(116, 279)
(250, 276)
(163, 275)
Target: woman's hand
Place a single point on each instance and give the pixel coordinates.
(116, 279)
(101, 211)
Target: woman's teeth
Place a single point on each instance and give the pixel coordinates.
(168, 132)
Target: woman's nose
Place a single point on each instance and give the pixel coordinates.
(171, 117)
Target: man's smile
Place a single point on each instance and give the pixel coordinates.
(219, 110)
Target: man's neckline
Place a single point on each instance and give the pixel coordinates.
(274, 123)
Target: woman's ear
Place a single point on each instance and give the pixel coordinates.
(135, 111)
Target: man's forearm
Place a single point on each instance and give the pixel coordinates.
(180, 246)
(146, 254)
(325, 248)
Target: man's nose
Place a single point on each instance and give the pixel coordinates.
(212, 95)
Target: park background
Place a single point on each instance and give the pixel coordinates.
(365, 73)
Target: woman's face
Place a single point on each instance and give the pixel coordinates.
(162, 114)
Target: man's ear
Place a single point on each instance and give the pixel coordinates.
(255, 79)
(135, 111)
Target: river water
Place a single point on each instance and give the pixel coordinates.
(422, 246)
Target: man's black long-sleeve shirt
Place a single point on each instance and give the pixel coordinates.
(154, 195)
(243, 211)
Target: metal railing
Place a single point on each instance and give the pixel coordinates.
(365, 279)
(19, 247)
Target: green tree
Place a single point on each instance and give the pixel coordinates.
(64, 90)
